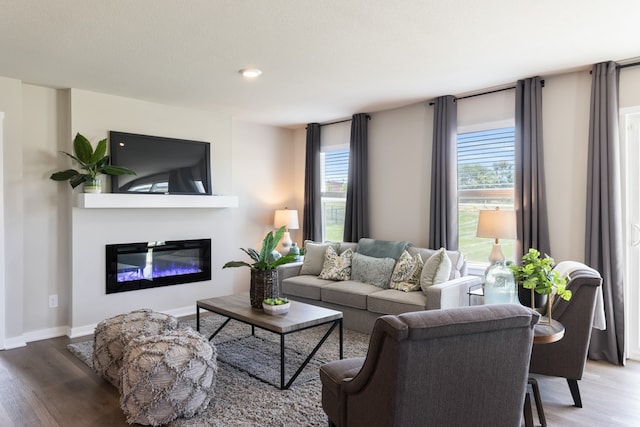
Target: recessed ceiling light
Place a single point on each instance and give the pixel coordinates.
(250, 73)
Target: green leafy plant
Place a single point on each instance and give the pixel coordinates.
(265, 259)
(92, 163)
(538, 274)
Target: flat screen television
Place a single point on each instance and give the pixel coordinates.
(162, 165)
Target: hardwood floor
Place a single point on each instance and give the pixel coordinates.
(43, 384)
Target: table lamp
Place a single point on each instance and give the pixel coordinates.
(496, 224)
(289, 219)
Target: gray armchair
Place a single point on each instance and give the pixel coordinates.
(566, 358)
(450, 367)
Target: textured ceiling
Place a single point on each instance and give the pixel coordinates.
(322, 60)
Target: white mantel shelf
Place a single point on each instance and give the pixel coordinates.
(152, 201)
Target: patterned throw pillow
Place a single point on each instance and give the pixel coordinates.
(374, 271)
(336, 267)
(436, 270)
(406, 273)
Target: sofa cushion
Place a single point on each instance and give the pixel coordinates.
(456, 257)
(374, 271)
(391, 301)
(336, 267)
(381, 248)
(348, 293)
(406, 273)
(436, 270)
(314, 256)
(304, 286)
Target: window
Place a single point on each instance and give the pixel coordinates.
(486, 163)
(334, 166)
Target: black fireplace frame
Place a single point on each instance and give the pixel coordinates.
(114, 251)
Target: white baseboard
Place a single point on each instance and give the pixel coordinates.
(14, 342)
(79, 331)
(82, 331)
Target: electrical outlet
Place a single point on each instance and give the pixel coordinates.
(53, 301)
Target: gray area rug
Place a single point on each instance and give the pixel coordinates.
(242, 399)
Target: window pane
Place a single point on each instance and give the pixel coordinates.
(486, 162)
(335, 173)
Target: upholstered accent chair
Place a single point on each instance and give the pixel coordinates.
(567, 358)
(459, 366)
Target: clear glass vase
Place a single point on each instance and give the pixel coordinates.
(500, 286)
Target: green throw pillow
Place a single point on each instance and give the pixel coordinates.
(436, 270)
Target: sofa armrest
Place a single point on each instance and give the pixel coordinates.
(286, 271)
(452, 293)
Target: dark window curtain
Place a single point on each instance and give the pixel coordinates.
(530, 203)
(356, 218)
(604, 250)
(443, 228)
(312, 221)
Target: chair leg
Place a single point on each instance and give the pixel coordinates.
(538, 399)
(528, 416)
(575, 392)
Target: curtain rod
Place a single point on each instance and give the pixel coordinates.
(486, 93)
(340, 121)
(633, 64)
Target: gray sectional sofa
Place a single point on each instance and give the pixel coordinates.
(369, 290)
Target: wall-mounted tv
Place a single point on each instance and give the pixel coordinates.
(162, 165)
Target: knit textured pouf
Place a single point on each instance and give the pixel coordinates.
(112, 336)
(167, 376)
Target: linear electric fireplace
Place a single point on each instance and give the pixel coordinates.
(133, 266)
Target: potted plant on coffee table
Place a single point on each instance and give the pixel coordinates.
(264, 276)
(92, 164)
(536, 276)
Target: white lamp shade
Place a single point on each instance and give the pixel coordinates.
(287, 218)
(497, 224)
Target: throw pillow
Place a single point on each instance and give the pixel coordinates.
(436, 270)
(375, 271)
(314, 257)
(406, 273)
(336, 267)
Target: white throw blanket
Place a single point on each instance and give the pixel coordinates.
(566, 269)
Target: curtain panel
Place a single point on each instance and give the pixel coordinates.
(530, 203)
(604, 241)
(356, 219)
(312, 220)
(443, 224)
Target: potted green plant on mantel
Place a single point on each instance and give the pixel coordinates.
(92, 164)
(536, 276)
(264, 276)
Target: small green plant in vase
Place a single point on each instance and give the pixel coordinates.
(538, 276)
(92, 164)
(264, 276)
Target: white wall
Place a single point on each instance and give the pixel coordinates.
(261, 164)
(11, 105)
(400, 158)
(57, 249)
(565, 115)
(93, 115)
(47, 207)
(264, 164)
(399, 173)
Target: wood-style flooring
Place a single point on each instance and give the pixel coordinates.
(43, 384)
